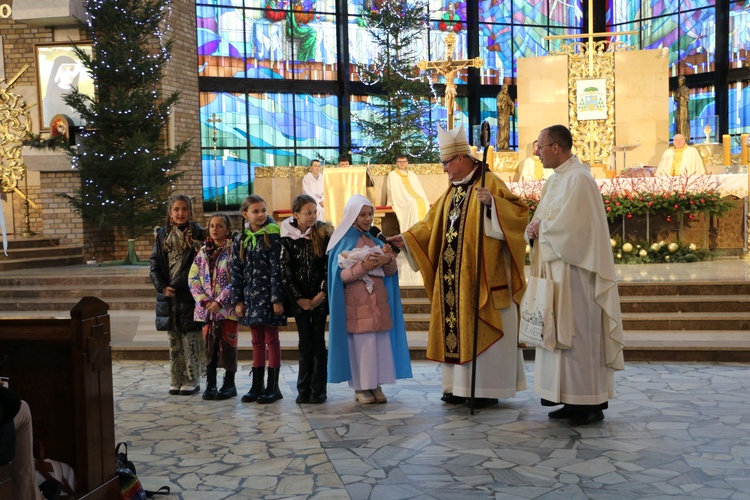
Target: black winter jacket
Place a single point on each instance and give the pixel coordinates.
(303, 275)
(174, 313)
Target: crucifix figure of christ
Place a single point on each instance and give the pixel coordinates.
(601, 139)
(448, 68)
(213, 121)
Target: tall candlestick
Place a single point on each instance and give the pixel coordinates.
(491, 157)
(725, 140)
(743, 140)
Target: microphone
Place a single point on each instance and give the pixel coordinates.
(375, 231)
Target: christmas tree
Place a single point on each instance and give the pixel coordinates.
(396, 117)
(127, 172)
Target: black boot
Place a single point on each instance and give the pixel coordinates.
(272, 392)
(210, 383)
(228, 389)
(257, 388)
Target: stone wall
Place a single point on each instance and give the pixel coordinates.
(50, 173)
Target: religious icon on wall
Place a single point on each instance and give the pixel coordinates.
(59, 71)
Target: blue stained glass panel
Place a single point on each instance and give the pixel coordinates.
(697, 41)
(496, 51)
(231, 110)
(739, 108)
(229, 171)
(316, 121)
(492, 11)
(739, 34)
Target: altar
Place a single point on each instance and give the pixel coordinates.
(643, 216)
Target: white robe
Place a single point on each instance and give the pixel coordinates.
(577, 367)
(691, 163)
(500, 369)
(405, 195)
(314, 187)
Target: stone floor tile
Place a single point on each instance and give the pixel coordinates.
(672, 431)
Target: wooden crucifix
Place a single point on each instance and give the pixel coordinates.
(448, 68)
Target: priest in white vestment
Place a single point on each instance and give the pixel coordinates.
(405, 194)
(680, 160)
(569, 228)
(312, 185)
(443, 247)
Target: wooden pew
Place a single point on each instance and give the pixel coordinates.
(62, 367)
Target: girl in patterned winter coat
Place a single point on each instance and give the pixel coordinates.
(210, 286)
(258, 296)
(174, 251)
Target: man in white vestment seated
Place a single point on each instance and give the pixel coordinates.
(443, 246)
(532, 169)
(405, 194)
(576, 366)
(681, 159)
(312, 185)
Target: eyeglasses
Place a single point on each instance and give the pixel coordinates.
(308, 213)
(538, 147)
(447, 162)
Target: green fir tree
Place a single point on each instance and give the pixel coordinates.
(127, 172)
(396, 117)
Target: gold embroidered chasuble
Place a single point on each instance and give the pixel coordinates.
(444, 247)
(677, 160)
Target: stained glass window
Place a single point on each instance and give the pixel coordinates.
(739, 108)
(262, 129)
(685, 29)
(739, 34)
(282, 39)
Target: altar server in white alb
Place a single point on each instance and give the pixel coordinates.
(680, 160)
(312, 185)
(570, 230)
(405, 194)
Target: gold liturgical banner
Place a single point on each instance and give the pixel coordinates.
(339, 184)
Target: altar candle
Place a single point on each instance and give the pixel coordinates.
(491, 157)
(725, 140)
(743, 139)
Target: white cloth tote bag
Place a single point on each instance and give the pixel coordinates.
(537, 307)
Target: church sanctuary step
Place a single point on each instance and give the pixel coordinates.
(31, 253)
(684, 303)
(686, 321)
(699, 320)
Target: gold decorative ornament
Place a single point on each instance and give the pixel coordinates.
(15, 127)
(593, 139)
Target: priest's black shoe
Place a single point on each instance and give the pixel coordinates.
(588, 417)
(302, 398)
(449, 398)
(480, 403)
(564, 412)
(317, 399)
